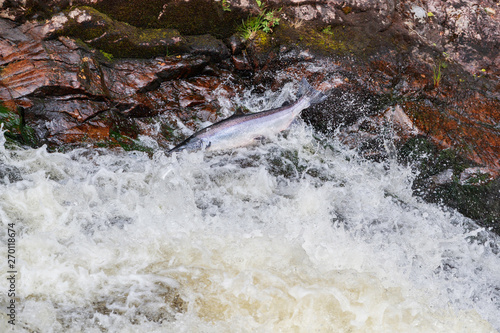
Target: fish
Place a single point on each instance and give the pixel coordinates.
(245, 129)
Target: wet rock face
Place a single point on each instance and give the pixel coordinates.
(378, 14)
(191, 17)
(122, 40)
(66, 92)
(465, 31)
(350, 103)
(467, 125)
(116, 38)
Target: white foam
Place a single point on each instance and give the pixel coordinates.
(286, 236)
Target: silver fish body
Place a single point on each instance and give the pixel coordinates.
(243, 129)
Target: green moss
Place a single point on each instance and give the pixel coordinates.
(336, 40)
(16, 131)
(40, 10)
(120, 40)
(327, 30)
(11, 123)
(478, 199)
(127, 143)
(168, 132)
(123, 126)
(194, 17)
(106, 55)
(328, 41)
(263, 41)
(286, 164)
(479, 202)
(29, 136)
(88, 30)
(123, 132)
(429, 160)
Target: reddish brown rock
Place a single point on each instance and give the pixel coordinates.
(469, 126)
(241, 62)
(62, 86)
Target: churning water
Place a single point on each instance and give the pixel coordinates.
(294, 235)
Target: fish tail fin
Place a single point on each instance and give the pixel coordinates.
(314, 95)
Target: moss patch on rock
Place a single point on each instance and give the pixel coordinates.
(11, 123)
(429, 160)
(119, 39)
(16, 131)
(194, 17)
(481, 203)
(333, 40)
(479, 200)
(115, 39)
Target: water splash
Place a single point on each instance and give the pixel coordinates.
(298, 234)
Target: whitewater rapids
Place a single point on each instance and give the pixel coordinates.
(294, 235)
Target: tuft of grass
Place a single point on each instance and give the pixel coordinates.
(249, 28)
(437, 74)
(266, 21)
(16, 130)
(296, 23)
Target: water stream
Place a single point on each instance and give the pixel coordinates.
(298, 234)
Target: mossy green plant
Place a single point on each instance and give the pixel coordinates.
(225, 6)
(249, 27)
(265, 21)
(16, 131)
(335, 41)
(425, 156)
(128, 143)
(270, 20)
(479, 202)
(327, 30)
(11, 120)
(108, 56)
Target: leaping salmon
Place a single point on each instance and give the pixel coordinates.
(243, 129)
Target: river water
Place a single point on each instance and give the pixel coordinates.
(298, 234)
